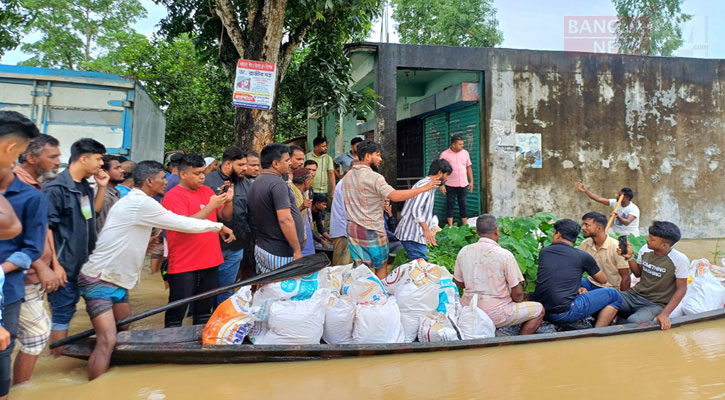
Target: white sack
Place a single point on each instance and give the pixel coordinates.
(339, 318)
(437, 328)
(297, 322)
(378, 323)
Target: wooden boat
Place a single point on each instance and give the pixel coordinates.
(183, 345)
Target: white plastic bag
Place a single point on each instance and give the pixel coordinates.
(297, 322)
(363, 286)
(474, 323)
(339, 319)
(704, 292)
(437, 328)
(378, 323)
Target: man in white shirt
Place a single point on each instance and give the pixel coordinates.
(627, 215)
(115, 265)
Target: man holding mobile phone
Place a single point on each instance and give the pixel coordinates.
(231, 174)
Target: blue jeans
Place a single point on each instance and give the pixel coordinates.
(588, 285)
(11, 316)
(587, 304)
(228, 272)
(62, 304)
(415, 250)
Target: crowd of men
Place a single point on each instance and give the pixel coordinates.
(201, 222)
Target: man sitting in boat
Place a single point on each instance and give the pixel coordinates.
(488, 270)
(663, 273)
(604, 250)
(115, 265)
(558, 283)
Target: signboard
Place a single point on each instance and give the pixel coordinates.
(254, 84)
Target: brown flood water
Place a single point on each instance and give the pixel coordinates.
(683, 363)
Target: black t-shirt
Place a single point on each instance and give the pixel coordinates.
(560, 272)
(268, 194)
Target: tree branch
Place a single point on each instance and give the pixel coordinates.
(295, 38)
(228, 14)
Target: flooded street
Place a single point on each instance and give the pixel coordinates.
(683, 363)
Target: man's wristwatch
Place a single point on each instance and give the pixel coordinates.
(629, 259)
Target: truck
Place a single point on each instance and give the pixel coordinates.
(70, 105)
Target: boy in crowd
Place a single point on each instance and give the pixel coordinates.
(194, 257)
(663, 273)
(414, 227)
(72, 219)
(17, 249)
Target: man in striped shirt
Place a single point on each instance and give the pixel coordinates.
(414, 227)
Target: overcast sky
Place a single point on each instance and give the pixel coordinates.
(532, 24)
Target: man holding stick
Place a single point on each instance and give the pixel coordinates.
(626, 216)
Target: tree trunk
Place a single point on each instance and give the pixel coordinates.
(255, 128)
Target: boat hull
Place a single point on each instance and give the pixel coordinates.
(182, 345)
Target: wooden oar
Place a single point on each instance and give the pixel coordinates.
(304, 266)
(611, 218)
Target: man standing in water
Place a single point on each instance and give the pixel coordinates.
(364, 191)
(460, 182)
(626, 217)
(115, 266)
(72, 218)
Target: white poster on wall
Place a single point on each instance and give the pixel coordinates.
(528, 145)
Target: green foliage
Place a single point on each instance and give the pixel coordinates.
(194, 93)
(318, 76)
(637, 242)
(469, 23)
(76, 32)
(450, 241)
(401, 257)
(650, 27)
(523, 236)
(13, 21)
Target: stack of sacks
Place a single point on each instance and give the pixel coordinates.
(295, 290)
(422, 289)
(231, 321)
(377, 317)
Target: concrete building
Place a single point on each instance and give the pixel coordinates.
(535, 122)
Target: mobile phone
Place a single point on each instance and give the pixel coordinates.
(623, 244)
(224, 188)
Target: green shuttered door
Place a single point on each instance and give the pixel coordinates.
(438, 130)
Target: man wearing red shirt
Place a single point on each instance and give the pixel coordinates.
(194, 257)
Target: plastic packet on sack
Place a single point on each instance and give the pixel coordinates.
(231, 321)
(438, 328)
